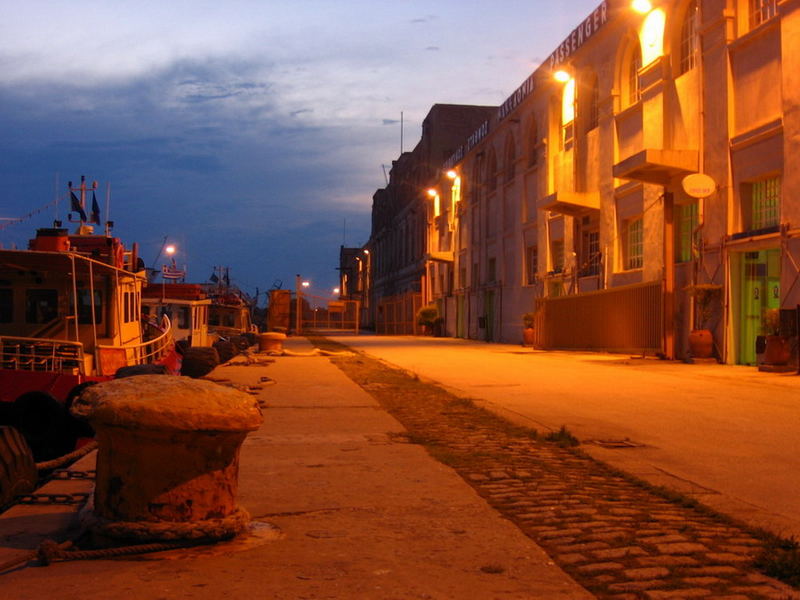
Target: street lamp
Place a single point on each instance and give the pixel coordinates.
(642, 6)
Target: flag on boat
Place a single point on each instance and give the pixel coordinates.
(95, 210)
(172, 272)
(76, 206)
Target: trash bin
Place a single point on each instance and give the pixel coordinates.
(271, 341)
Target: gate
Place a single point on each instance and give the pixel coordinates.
(624, 319)
(397, 315)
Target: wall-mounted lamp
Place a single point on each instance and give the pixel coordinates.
(451, 174)
(562, 76)
(432, 193)
(642, 6)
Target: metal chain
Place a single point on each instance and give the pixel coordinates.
(67, 474)
(75, 498)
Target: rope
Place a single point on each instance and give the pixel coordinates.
(62, 460)
(50, 551)
(170, 531)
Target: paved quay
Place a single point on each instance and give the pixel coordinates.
(726, 435)
(343, 506)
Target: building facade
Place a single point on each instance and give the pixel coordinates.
(398, 244)
(636, 187)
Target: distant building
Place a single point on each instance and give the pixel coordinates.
(571, 200)
(398, 240)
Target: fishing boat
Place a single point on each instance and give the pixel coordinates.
(70, 315)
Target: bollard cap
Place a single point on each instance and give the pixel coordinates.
(167, 403)
(273, 335)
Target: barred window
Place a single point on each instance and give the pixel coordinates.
(766, 196)
(689, 41)
(688, 220)
(532, 259)
(762, 10)
(634, 93)
(634, 243)
(594, 106)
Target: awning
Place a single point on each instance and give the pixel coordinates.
(571, 203)
(445, 257)
(657, 166)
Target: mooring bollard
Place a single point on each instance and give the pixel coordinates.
(272, 341)
(168, 456)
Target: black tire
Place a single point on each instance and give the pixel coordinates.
(42, 421)
(134, 370)
(17, 470)
(241, 342)
(199, 361)
(226, 350)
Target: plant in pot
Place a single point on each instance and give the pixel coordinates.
(776, 351)
(701, 340)
(527, 328)
(427, 317)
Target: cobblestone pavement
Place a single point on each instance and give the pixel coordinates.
(618, 537)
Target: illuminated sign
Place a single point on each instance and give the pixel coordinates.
(580, 35)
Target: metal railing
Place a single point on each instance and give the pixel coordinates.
(40, 354)
(110, 358)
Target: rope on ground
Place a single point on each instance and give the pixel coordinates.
(316, 352)
(169, 531)
(50, 551)
(62, 460)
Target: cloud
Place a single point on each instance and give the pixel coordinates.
(391, 121)
(433, 48)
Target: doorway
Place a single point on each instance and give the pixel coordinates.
(488, 311)
(760, 290)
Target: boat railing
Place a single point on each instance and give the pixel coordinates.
(41, 354)
(110, 358)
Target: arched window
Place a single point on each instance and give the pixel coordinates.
(689, 38)
(510, 158)
(533, 142)
(634, 66)
(593, 104)
(491, 172)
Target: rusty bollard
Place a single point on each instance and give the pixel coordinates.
(272, 341)
(168, 457)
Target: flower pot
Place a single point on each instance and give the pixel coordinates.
(777, 350)
(701, 343)
(528, 336)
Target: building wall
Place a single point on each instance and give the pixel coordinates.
(597, 201)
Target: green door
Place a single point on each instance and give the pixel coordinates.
(488, 311)
(760, 290)
(460, 317)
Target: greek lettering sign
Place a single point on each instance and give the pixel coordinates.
(580, 35)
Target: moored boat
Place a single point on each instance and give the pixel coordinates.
(70, 315)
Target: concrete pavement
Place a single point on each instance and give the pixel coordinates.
(729, 436)
(345, 511)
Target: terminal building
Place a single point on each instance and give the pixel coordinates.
(634, 194)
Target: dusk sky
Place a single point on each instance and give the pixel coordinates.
(249, 133)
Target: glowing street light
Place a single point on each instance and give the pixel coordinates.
(451, 174)
(432, 193)
(642, 6)
(336, 290)
(305, 284)
(170, 250)
(562, 76)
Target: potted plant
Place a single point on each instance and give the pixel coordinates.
(701, 340)
(527, 328)
(776, 351)
(427, 317)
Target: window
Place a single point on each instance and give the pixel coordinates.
(491, 173)
(184, 320)
(531, 263)
(511, 159)
(685, 230)
(41, 306)
(85, 307)
(557, 255)
(689, 38)
(462, 277)
(634, 66)
(6, 306)
(765, 203)
(762, 10)
(633, 253)
(593, 110)
(590, 252)
(491, 270)
(533, 143)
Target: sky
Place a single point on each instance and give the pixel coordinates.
(250, 134)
